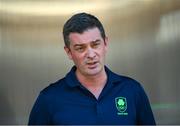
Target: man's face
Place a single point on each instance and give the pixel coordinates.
(87, 50)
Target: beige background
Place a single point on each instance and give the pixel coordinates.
(144, 44)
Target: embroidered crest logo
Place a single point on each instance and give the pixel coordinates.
(121, 105)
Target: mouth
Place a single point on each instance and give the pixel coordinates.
(92, 65)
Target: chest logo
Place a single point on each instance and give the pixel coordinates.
(121, 105)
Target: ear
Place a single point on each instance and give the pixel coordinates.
(68, 52)
(106, 42)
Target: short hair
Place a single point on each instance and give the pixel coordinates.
(79, 23)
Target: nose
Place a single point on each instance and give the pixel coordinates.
(91, 53)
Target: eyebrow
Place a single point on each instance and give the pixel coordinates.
(97, 40)
(76, 45)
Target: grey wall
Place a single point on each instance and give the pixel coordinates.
(144, 44)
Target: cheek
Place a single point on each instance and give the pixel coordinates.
(77, 58)
(103, 52)
(105, 49)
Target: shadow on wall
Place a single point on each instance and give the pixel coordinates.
(7, 116)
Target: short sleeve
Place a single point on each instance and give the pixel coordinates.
(144, 111)
(39, 114)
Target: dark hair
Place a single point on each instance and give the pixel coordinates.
(79, 23)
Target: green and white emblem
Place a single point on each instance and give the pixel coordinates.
(121, 105)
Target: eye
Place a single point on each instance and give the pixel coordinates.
(96, 44)
(80, 49)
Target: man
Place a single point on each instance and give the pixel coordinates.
(90, 94)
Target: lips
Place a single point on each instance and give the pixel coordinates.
(92, 64)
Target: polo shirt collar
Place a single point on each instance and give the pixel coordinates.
(112, 77)
(72, 80)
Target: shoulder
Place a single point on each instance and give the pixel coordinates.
(53, 88)
(132, 88)
(123, 80)
(115, 77)
(128, 83)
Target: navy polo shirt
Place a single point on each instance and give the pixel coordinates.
(121, 102)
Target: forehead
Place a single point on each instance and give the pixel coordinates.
(87, 36)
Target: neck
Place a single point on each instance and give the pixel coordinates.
(94, 83)
(92, 80)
